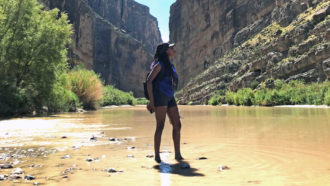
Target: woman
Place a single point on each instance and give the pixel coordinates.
(160, 85)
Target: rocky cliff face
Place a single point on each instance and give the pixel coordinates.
(132, 18)
(240, 43)
(115, 38)
(205, 30)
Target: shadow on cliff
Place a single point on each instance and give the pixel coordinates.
(182, 168)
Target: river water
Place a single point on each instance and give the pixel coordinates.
(242, 146)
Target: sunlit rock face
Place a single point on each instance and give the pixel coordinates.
(115, 38)
(230, 44)
(205, 30)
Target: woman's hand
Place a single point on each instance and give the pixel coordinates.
(151, 107)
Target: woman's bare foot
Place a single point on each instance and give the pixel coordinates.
(157, 159)
(178, 157)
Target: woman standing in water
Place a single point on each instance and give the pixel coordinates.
(161, 84)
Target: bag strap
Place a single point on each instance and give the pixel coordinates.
(162, 73)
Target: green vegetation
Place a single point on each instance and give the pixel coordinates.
(87, 86)
(264, 37)
(142, 101)
(242, 97)
(271, 39)
(254, 84)
(62, 98)
(217, 98)
(327, 97)
(293, 93)
(34, 75)
(32, 57)
(307, 16)
(113, 96)
(92, 93)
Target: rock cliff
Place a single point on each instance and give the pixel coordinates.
(205, 30)
(115, 38)
(132, 18)
(230, 44)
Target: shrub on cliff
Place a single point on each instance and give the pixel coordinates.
(87, 86)
(113, 96)
(33, 55)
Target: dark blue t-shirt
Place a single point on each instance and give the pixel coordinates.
(165, 84)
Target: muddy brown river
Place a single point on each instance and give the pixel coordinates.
(221, 146)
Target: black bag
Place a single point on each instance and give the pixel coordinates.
(159, 77)
(146, 94)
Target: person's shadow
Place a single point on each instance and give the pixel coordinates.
(181, 168)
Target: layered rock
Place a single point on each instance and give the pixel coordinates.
(205, 30)
(290, 42)
(115, 38)
(132, 18)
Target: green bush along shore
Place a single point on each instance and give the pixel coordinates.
(294, 92)
(113, 96)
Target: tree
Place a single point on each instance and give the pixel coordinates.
(33, 54)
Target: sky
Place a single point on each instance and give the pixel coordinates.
(161, 10)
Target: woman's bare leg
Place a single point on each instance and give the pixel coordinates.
(173, 114)
(160, 113)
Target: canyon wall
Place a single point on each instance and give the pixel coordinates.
(115, 38)
(230, 44)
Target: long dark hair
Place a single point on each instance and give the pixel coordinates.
(161, 55)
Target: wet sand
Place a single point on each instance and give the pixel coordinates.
(243, 146)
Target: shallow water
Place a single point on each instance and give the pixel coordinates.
(260, 146)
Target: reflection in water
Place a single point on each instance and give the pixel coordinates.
(266, 146)
(164, 168)
(182, 168)
(165, 178)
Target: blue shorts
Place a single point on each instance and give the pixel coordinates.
(160, 99)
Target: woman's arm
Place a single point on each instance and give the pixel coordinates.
(153, 74)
